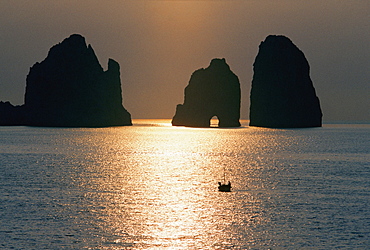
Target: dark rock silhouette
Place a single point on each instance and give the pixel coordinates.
(70, 89)
(214, 91)
(282, 94)
(11, 115)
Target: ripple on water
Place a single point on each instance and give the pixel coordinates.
(153, 187)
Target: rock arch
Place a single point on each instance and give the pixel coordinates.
(214, 91)
(214, 121)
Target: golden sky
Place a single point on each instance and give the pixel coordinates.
(159, 44)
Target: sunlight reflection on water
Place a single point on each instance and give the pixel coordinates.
(167, 188)
(154, 186)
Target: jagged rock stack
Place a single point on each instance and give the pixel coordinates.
(71, 89)
(11, 115)
(214, 91)
(282, 94)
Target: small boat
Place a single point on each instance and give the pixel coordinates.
(224, 187)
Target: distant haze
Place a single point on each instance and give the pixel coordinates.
(159, 44)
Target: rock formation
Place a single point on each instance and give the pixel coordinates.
(11, 115)
(282, 94)
(214, 91)
(70, 88)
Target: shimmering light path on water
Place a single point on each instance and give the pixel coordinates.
(154, 186)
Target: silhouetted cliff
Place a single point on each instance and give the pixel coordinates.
(11, 115)
(282, 94)
(214, 91)
(70, 88)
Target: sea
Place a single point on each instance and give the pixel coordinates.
(154, 186)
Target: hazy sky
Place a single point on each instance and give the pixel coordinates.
(159, 44)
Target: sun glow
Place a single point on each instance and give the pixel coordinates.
(161, 191)
(183, 15)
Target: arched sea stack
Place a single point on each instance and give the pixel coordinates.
(214, 91)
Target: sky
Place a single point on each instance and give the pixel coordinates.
(159, 44)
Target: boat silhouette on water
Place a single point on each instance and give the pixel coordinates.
(224, 187)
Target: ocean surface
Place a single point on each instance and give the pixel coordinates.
(154, 186)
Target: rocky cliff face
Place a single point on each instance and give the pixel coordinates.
(214, 91)
(282, 94)
(11, 115)
(70, 88)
